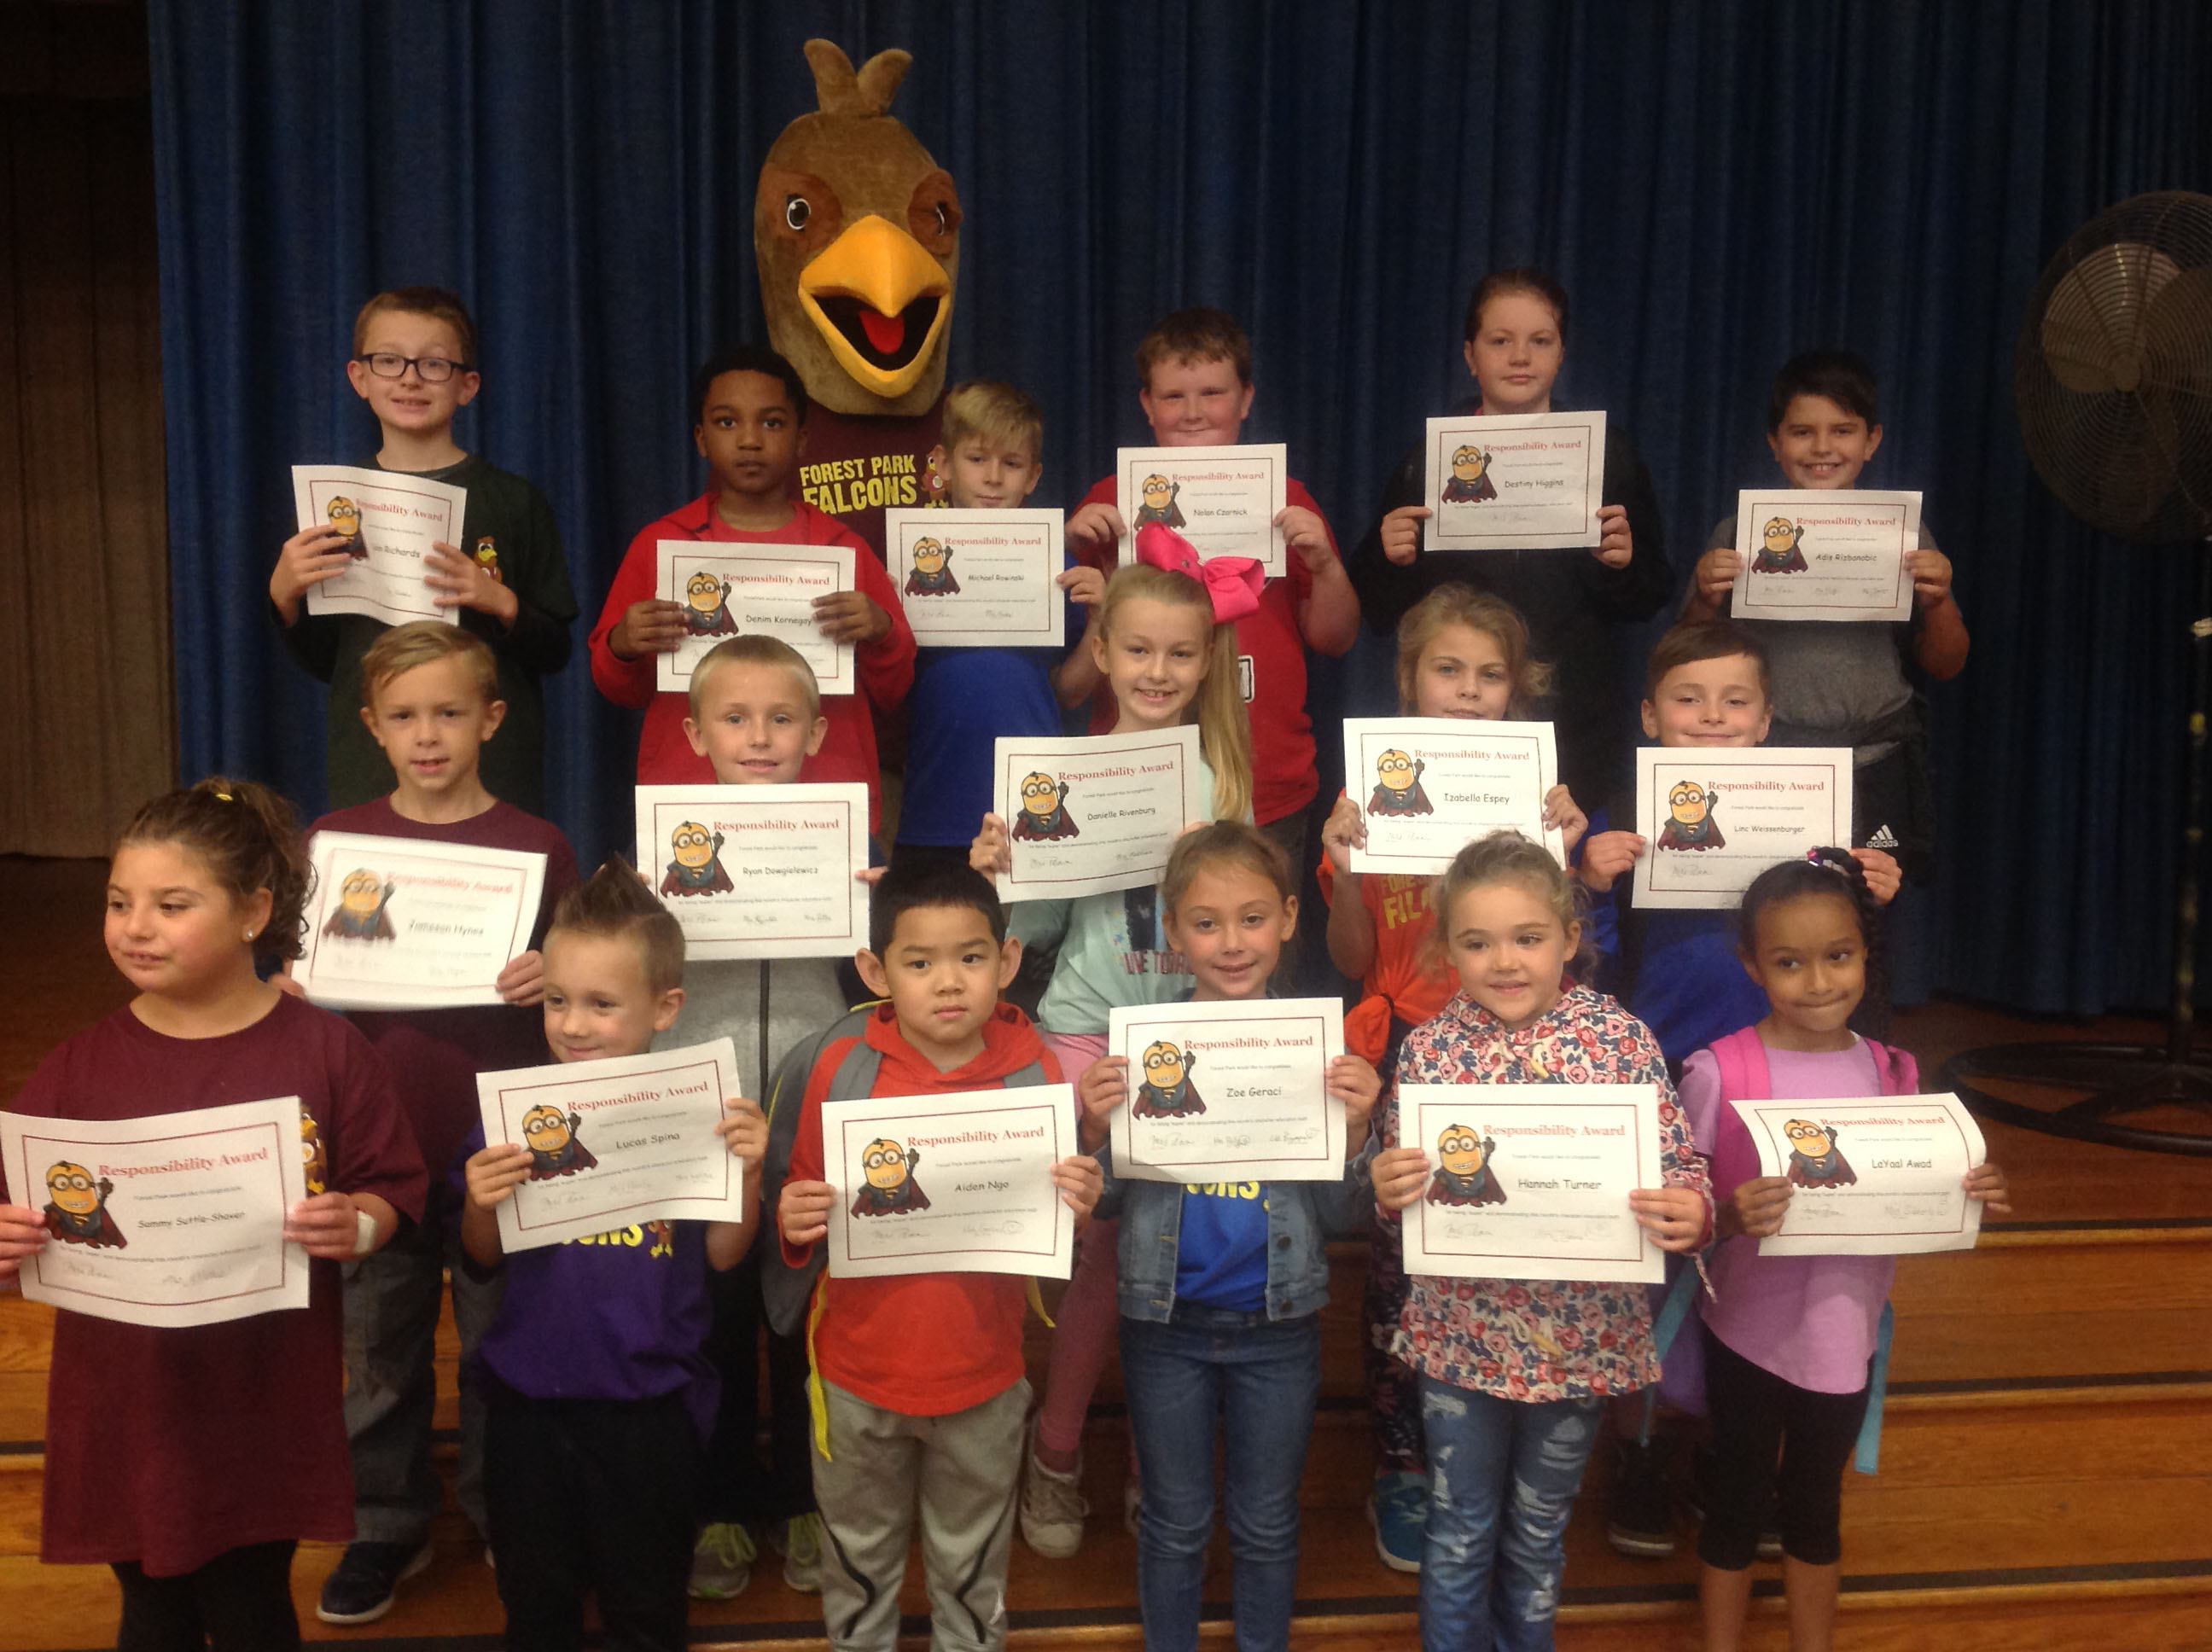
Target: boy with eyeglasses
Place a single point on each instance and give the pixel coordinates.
(414, 363)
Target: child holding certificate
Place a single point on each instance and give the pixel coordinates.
(430, 702)
(921, 1397)
(598, 1394)
(1515, 1406)
(1789, 1339)
(1460, 654)
(1846, 682)
(1222, 1285)
(750, 428)
(414, 363)
(1194, 383)
(1514, 344)
(192, 1460)
(756, 716)
(1166, 643)
(964, 699)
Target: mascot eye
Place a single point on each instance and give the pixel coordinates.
(943, 218)
(796, 211)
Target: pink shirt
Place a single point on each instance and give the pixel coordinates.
(1809, 1320)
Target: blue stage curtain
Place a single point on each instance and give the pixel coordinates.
(1718, 185)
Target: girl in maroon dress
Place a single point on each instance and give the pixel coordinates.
(193, 1459)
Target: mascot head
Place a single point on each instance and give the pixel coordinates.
(856, 233)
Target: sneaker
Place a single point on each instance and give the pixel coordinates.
(722, 1561)
(359, 1590)
(1639, 1510)
(799, 1541)
(1398, 1509)
(1053, 1509)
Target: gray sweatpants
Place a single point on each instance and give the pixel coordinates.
(960, 1471)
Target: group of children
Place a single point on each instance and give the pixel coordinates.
(610, 1394)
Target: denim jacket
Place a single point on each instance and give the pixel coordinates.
(1301, 1215)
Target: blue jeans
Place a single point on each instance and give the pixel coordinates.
(1262, 1377)
(1502, 1475)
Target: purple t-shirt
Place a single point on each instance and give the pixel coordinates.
(1809, 1320)
(619, 1316)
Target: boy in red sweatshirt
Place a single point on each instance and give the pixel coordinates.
(922, 1374)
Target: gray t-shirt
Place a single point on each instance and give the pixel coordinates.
(1833, 680)
(722, 996)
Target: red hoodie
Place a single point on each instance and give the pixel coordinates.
(885, 666)
(925, 1344)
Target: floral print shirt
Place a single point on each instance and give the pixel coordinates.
(1539, 1339)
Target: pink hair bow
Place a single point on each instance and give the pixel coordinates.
(1233, 583)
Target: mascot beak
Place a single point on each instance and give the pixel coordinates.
(880, 300)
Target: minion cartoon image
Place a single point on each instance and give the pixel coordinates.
(1690, 823)
(1044, 815)
(1469, 482)
(1167, 1091)
(311, 1151)
(931, 573)
(697, 868)
(486, 555)
(1815, 1160)
(890, 1189)
(1777, 551)
(1398, 786)
(1463, 1174)
(361, 914)
(1158, 495)
(77, 1208)
(554, 1148)
(707, 606)
(345, 516)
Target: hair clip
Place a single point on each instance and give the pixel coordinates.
(1826, 865)
(225, 797)
(1233, 583)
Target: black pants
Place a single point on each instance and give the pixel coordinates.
(736, 1487)
(1757, 1416)
(591, 1498)
(241, 1600)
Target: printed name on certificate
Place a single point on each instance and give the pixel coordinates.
(760, 871)
(1514, 481)
(1230, 1092)
(1223, 501)
(413, 923)
(728, 589)
(1825, 553)
(1434, 785)
(1868, 1176)
(977, 578)
(1712, 820)
(390, 521)
(1090, 815)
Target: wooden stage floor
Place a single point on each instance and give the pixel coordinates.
(2046, 1470)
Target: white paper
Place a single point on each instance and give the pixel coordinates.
(170, 1220)
(1433, 785)
(759, 872)
(1223, 501)
(618, 1143)
(408, 923)
(1091, 815)
(1531, 1182)
(1229, 1092)
(960, 1183)
(1514, 480)
(979, 579)
(727, 588)
(1825, 553)
(394, 519)
(1713, 819)
(1879, 1177)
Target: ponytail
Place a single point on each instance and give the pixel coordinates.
(248, 839)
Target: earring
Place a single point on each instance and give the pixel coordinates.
(249, 934)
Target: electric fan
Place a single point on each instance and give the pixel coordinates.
(2112, 383)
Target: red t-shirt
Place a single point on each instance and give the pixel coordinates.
(924, 1344)
(857, 465)
(435, 1054)
(1274, 650)
(885, 666)
(169, 1446)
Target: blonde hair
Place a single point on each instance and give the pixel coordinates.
(424, 643)
(756, 648)
(1220, 842)
(1506, 857)
(996, 412)
(1493, 617)
(1224, 733)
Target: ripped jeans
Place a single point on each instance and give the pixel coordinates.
(1502, 1475)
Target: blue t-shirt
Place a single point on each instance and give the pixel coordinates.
(1221, 1254)
(963, 700)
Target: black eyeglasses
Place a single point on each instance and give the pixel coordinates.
(431, 369)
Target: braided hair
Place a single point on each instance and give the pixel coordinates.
(1825, 871)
